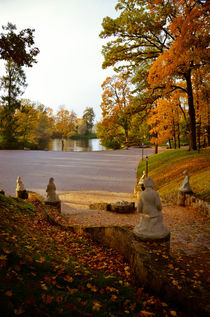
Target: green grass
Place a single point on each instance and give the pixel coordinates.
(166, 168)
(47, 270)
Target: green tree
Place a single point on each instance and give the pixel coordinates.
(18, 46)
(88, 117)
(18, 50)
(12, 83)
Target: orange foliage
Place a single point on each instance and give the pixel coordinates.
(190, 32)
(116, 102)
(164, 120)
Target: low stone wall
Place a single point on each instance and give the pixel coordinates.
(119, 207)
(151, 263)
(186, 199)
(195, 202)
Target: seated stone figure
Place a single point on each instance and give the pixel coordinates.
(151, 225)
(51, 191)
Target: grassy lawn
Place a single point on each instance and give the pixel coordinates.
(167, 168)
(47, 270)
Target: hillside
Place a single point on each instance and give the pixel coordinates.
(166, 168)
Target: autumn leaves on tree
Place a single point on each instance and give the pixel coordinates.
(165, 44)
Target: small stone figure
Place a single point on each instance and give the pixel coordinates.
(141, 181)
(52, 198)
(151, 225)
(20, 190)
(186, 184)
(20, 185)
(51, 191)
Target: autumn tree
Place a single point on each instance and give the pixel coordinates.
(116, 102)
(81, 127)
(162, 34)
(164, 121)
(110, 135)
(65, 123)
(35, 124)
(202, 110)
(88, 117)
(188, 52)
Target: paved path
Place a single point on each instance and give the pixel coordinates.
(107, 170)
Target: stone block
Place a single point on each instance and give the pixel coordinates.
(21, 194)
(55, 204)
(123, 207)
(100, 206)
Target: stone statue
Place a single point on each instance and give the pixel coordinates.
(151, 225)
(186, 184)
(141, 181)
(51, 191)
(20, 186)
(21, 192)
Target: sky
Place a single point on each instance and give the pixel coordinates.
(69, 70)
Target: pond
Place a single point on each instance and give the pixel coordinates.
(81, 145)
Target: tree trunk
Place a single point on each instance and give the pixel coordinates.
(199, 134)
(178, 135)
(156, 148)
(191, 111)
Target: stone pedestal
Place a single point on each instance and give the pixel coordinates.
(21, 194)
(56, 204)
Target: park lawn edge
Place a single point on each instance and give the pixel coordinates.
(166, 169)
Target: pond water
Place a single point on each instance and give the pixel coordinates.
(82, 145)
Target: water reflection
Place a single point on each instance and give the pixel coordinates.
(82, 145)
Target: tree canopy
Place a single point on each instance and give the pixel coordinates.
(167, 39)
(18, 46)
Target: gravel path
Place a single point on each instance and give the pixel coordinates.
(107, 170)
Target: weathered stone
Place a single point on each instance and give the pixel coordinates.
(20, 186)
(120, 206)
(186, 184)
(51, 191)
(52, 198)
(123, 207)
(151, 225)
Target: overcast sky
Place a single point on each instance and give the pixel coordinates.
(69, 69)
